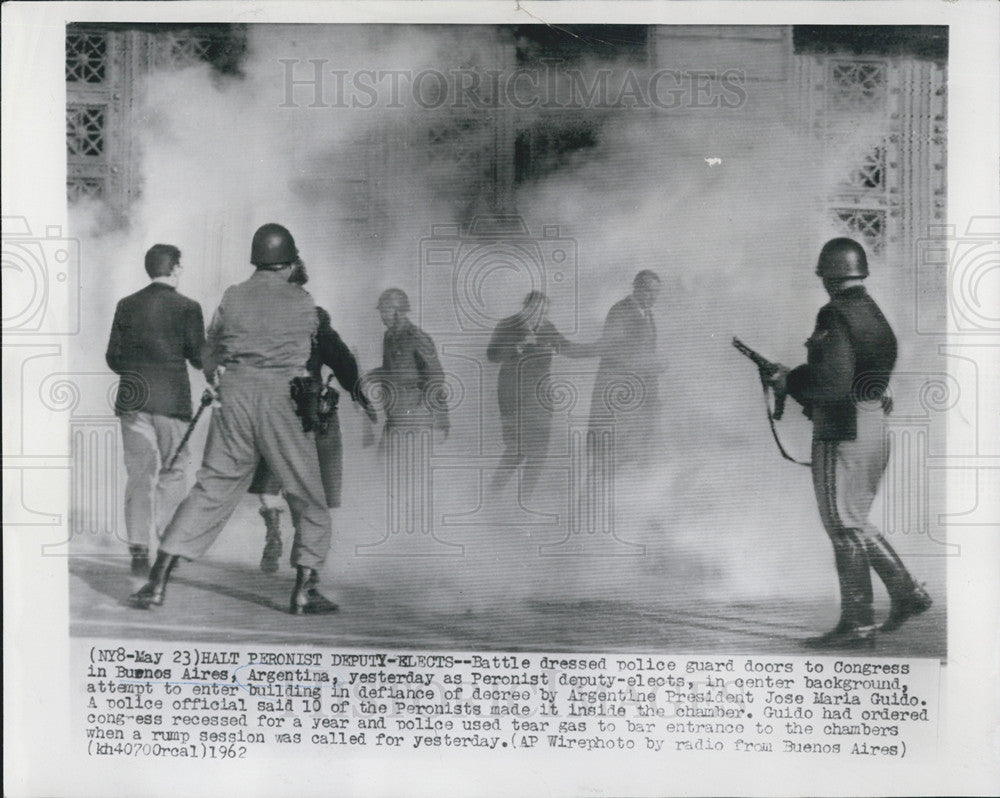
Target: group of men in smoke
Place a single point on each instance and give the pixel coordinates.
(270, 438)
(275, 430)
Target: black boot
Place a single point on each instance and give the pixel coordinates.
(902, 609)
(856, 628)
(153, 591)
(272, 542)
(306, 599)
(908, 598)
(140, 561)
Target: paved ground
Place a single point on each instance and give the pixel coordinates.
(223, 600)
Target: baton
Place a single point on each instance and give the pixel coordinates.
(206, 399)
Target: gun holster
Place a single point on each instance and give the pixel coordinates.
(306, 396)
(328, 401)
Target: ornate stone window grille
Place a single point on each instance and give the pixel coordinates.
(78, 188)
(86, 57)
(865, 223)
(181, 49)
(857, 85)
(85, 131)
(869, 175)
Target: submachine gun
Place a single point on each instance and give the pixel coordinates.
(767, 369)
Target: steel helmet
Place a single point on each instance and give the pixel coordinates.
(842, 259)
(272, 245)
(394, 297)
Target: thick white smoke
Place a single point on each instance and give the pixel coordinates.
(734, 240)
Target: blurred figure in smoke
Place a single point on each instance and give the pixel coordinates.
(524, 345)
(626, 391)
(411, 380)
(154, 332)
(260, 335)
(328, 349)
(842, 388)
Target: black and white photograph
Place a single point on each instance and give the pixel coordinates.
(530, 250)
(536, 346)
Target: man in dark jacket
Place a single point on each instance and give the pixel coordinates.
(626, 390)
(842, 388)
(523, 345)
(156, 332)
(328, 349)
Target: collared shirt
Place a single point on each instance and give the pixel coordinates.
(265, 322)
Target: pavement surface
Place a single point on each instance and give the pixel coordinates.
(224, 598)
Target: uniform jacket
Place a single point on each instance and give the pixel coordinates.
(410, 365)
(328, 349)
(852, 352)
(265, 322)
(155, 333)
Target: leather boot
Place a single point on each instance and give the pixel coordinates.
(272, 541)
(856, 628)
(140, 561)
(908, 598)
(306, 599)
(153, 591)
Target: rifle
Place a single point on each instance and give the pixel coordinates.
(206, 399)
(766, 369)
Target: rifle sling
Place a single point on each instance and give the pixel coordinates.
(774, 433)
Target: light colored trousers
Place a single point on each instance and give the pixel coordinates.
(152, 491)
(256, 420)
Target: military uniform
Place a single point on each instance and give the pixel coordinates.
(328, 349)
(842, 387)
(626, 390)
(412, 379)
(261, 333)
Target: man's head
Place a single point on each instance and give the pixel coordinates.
(536, 305)
(393, 305)
(273, 248)
(646, 288)
(163, 260)
(842, 264)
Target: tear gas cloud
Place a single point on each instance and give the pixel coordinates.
(734, 241)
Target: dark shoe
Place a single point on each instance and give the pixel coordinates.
(306, 599)
(140, 561)
(152, 593)
(844, 635)
(901, 610)
(272, 543)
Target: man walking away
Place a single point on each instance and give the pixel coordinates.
(156, 332)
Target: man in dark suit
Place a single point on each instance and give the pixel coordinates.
(155, 333)
(523, 345)
(843, 389)
(626, 391)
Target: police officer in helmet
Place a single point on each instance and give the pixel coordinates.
(260, 335)
(843, 388)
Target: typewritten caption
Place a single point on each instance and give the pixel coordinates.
(239, 702)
